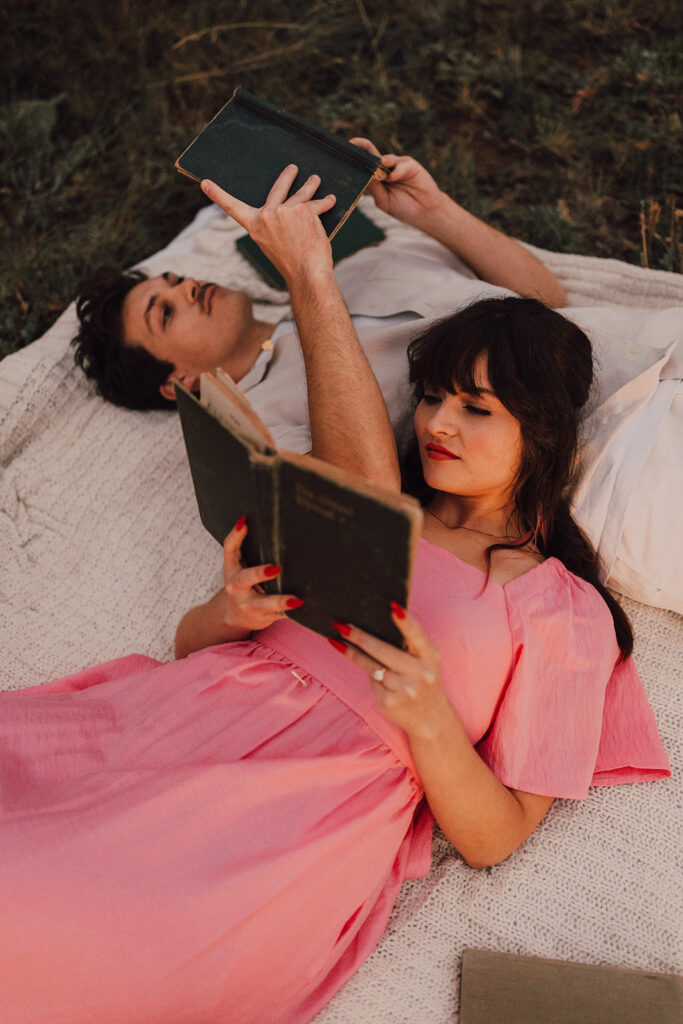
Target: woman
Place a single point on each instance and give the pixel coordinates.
(223, 838)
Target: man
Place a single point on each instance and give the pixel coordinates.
(137, 336)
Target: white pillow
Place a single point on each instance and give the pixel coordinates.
(648, 563)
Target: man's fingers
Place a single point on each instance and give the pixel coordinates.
(389, 160)
(306, 192)
(280, 189)
(366, 144)
(234, 208)
(399, 167)
(318, 206)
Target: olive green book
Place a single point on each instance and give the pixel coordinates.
(346, 547)
(250, 142)
(503, 988)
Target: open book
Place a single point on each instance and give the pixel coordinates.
(346, 547)
(250, 142)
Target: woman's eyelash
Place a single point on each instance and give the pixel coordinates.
(475, 410)
(166, 313)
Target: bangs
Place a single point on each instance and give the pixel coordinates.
(450, 353)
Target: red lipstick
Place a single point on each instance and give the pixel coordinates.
(438, 454)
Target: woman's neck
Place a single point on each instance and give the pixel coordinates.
(497, 521)
(485, 536)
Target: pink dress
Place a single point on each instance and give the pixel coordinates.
(223, 837)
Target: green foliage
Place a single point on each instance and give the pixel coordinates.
(555, 120)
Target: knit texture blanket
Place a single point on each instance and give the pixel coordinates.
(102, 552)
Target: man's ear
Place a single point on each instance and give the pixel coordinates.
(188, 381)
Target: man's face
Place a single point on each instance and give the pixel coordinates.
(196, 325)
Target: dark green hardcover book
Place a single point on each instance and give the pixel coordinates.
(357, 233)
(250, 142)
(345, 546)
(503, 988)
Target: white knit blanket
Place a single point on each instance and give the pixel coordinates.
(102, 551)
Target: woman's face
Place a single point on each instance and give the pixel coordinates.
(470, 444)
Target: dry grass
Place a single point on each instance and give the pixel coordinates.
(557, 121)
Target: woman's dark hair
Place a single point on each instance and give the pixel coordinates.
(126, 375)
(540, 366)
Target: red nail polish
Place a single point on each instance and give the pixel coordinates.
(342, 628)
(337, 644)
(272, 570)
(241, 523)
(399, 612)
(294, 602)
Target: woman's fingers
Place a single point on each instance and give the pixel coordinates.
(388, 665)
(247, 579)
(232, 546)
(380, 674)
(243, 586)
(406, 684)
(271, 605)
(418, 642)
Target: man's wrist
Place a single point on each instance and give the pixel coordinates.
(310, 279)
(315, 294)
(442, 218)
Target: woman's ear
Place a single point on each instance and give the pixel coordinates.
(187, 380)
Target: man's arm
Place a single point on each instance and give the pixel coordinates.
(350, 426)
(411, 195)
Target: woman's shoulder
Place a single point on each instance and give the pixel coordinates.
(563, 602)
(531, 586)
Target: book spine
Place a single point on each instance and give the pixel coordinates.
(266, 492)
(350, 152)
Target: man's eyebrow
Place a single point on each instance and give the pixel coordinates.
(148, 311)
(150, 305)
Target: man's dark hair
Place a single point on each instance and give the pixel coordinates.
(126, 375)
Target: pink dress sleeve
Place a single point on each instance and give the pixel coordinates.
(570, 716)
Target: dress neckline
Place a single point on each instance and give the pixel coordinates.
(551, 562)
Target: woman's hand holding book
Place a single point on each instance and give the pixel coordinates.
(239, 607)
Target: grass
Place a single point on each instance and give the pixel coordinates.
(557, 121)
